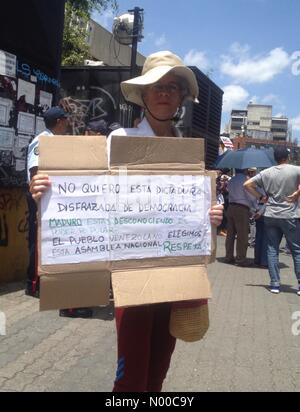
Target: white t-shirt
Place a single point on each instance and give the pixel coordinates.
(278, 182)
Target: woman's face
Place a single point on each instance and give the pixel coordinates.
(164, 97)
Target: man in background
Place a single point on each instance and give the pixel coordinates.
(56, 122)
(281, 217)
(238, 213)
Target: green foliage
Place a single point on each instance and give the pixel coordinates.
(77, 15)
(92, 5)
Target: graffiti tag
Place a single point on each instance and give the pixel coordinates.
(3, 232)
(9, 202)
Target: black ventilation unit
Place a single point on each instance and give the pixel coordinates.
(203, 119)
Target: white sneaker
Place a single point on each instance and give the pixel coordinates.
(298, 291)
(275, 289)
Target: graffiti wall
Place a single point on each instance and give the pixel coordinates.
(13, 235)
(93, 94)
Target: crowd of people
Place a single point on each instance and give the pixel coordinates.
(260, 209)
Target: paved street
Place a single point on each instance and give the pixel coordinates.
(249, 347)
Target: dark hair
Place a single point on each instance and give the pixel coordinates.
(98, 126)
(52, 115)
(112, 127)
(50, 123)
(281, 153)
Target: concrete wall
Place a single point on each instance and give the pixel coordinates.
(261, 114)
(13, 235)
(104, 48)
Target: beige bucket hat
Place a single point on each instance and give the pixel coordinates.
(156, 66)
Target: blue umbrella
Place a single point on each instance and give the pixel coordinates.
(245, 159)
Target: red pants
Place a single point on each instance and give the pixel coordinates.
(145, 347)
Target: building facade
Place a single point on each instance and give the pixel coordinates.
(104, 48)
(259, 123)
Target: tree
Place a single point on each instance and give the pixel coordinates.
(92, 5)
(77, 15)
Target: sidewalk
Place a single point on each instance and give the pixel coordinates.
(249, 347)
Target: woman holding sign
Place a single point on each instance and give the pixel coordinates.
(145, 345)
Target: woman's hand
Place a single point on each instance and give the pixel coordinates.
(216, 215)
(39, 185)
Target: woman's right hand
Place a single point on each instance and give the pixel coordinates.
(39, 185)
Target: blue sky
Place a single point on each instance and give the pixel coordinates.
(249, 48)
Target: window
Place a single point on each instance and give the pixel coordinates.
(278, 130)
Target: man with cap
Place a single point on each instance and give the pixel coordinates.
(56, 122)
(282, 213)
(145, 345)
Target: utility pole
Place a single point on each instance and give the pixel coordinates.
(136, 37)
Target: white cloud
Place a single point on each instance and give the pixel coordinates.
(258, 69)
(197, 58)
(149, 37)
(235, 97)
(295, 122)
(271, 99)
(161, 41)
(239, 50)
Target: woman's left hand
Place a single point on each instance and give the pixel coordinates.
(216, 215)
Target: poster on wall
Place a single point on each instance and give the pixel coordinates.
(27, 91)
(45, 100)
(7, 137)
(6, 106)
(40, 125)
(20, 165)
(23, 140)
(8, 88)
(8, 64)
(26, 123)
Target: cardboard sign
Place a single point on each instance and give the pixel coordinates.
(114, 218)
(142, 219)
